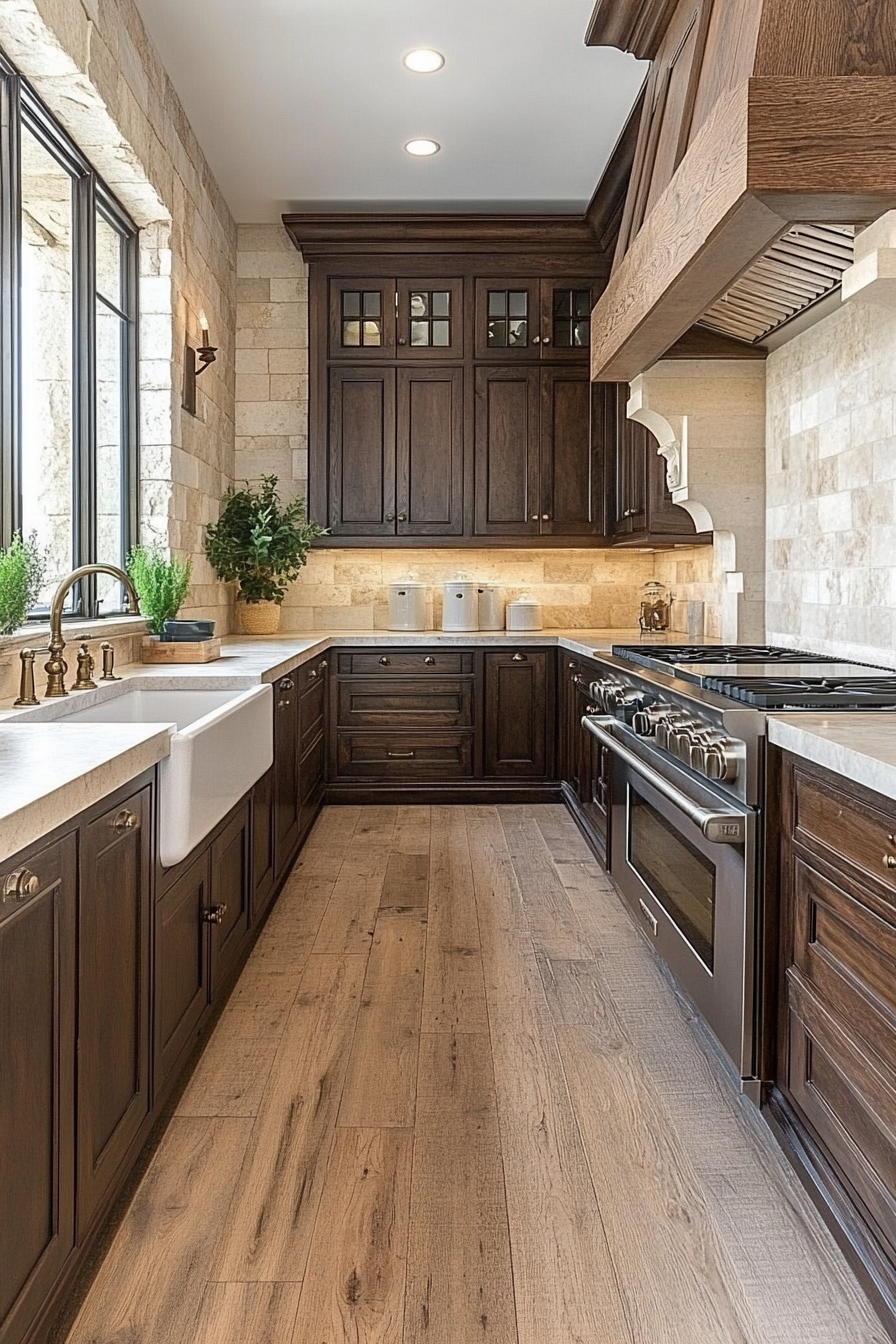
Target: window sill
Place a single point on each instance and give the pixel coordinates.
(37, 634)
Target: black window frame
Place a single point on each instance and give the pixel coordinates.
(21, 107)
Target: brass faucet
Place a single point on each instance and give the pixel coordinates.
(56, 666)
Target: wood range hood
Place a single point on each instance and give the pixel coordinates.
(767, 133)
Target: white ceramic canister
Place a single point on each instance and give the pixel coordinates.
(491, 607)
(407, 606)
(460, 607)
(524, 613)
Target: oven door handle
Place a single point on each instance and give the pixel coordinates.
(722, 828)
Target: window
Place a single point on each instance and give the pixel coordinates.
(68, 353)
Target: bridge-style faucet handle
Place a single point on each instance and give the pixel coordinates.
(86, 664)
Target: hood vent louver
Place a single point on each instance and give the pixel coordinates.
(803, 266)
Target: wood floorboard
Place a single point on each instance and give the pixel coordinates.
(268, 1232)
(381, 1083)
(153, 1279)
(456, 1099)
(246, 1313)
(354, 1286)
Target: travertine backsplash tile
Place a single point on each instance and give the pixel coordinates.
(831, 486)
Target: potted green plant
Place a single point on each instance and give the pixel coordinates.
(262, 544)
(161, 585)
(22, 568)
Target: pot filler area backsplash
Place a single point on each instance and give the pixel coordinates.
(576, 589)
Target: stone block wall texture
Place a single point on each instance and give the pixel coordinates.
(831, 486)
(691, 575)
(94, 66)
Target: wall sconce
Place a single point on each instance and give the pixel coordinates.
(196, 362)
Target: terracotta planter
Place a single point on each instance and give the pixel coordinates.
(259, 618)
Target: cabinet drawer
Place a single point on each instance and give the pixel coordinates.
(426, 662)
(831, 822)
(312, 675)
(431, 756)
(405, 704)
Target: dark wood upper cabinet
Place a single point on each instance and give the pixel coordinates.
(361, 433)
(430, 319)
(532, 319)
(506, 449)
(37, 1103)
(572, 483)
(362, 318)
(114, 936)
(429, 453)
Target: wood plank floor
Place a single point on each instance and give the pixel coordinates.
(455, 1100)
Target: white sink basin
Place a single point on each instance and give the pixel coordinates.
(221, 743)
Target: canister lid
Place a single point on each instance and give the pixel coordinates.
(524, 600)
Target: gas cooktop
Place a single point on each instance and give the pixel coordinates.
(648, 655)
(807, 692)
(710, 665)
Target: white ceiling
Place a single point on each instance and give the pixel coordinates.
(303, 104)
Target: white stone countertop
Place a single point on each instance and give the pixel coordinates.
(860, 746)
(49, 772)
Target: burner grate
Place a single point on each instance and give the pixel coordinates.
(807, 693)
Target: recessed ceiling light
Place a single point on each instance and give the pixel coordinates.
(422, 148)
(424, 61)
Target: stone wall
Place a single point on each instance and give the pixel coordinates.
(831, 431)
(692, 574)
(92, 63)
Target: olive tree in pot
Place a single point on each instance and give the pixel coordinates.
(262, 544)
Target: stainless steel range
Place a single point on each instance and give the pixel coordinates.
(684, 727)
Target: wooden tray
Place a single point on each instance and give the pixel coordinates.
(179, 651)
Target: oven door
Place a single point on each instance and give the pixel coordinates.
(684, 858)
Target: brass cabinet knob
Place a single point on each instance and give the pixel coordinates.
(536, 340)
(323, 665)
(215, 915)
(535, 517)
(429, 660)
(520, 658)
(126, 821)
(390, 517)
(20, 884)
(402, 340)
(890, 860)
(384, 662)
(286, 684)
(545, 517)
(312, 675)
(545, 340)
(402, 517)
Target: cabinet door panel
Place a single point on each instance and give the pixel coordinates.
(37, 1104)
(566, 319)
(362, 318)
(262, 843)
(508, 319)
(311, 772)
(286, 772)
(430, 319)
(516, 712)
(506, 452)
(114, 995)
(229, 895)
(430, 452)
(181, 967)
(362, 452)
(571, 490)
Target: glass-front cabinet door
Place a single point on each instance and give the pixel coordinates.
(429, 319)
(533, 319)
(362, 318)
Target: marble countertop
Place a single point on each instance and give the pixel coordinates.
(49, 772)
(860, 746)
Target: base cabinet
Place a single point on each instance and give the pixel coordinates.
(585, 764)
(182, 969)
(836, 1078)
(37, 1103)
(518, 714)
(114, 1004)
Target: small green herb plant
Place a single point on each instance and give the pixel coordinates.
(22, 568)
(161, 584)
(260, 542)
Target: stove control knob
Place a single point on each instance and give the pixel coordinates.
(667, 726)
(699, 747)
(681, 737)
(721, 762)
(646, 721)
(603, 690)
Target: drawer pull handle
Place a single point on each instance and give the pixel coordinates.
(520, 658)
(287, 684)
(890, 860)
(401, 755)
(312, 675)
(430, 661)
(20, 884)
(384, 662)
(215, 915)
(283, 704)
(892, 839)
(323, 665)
(126, 821)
